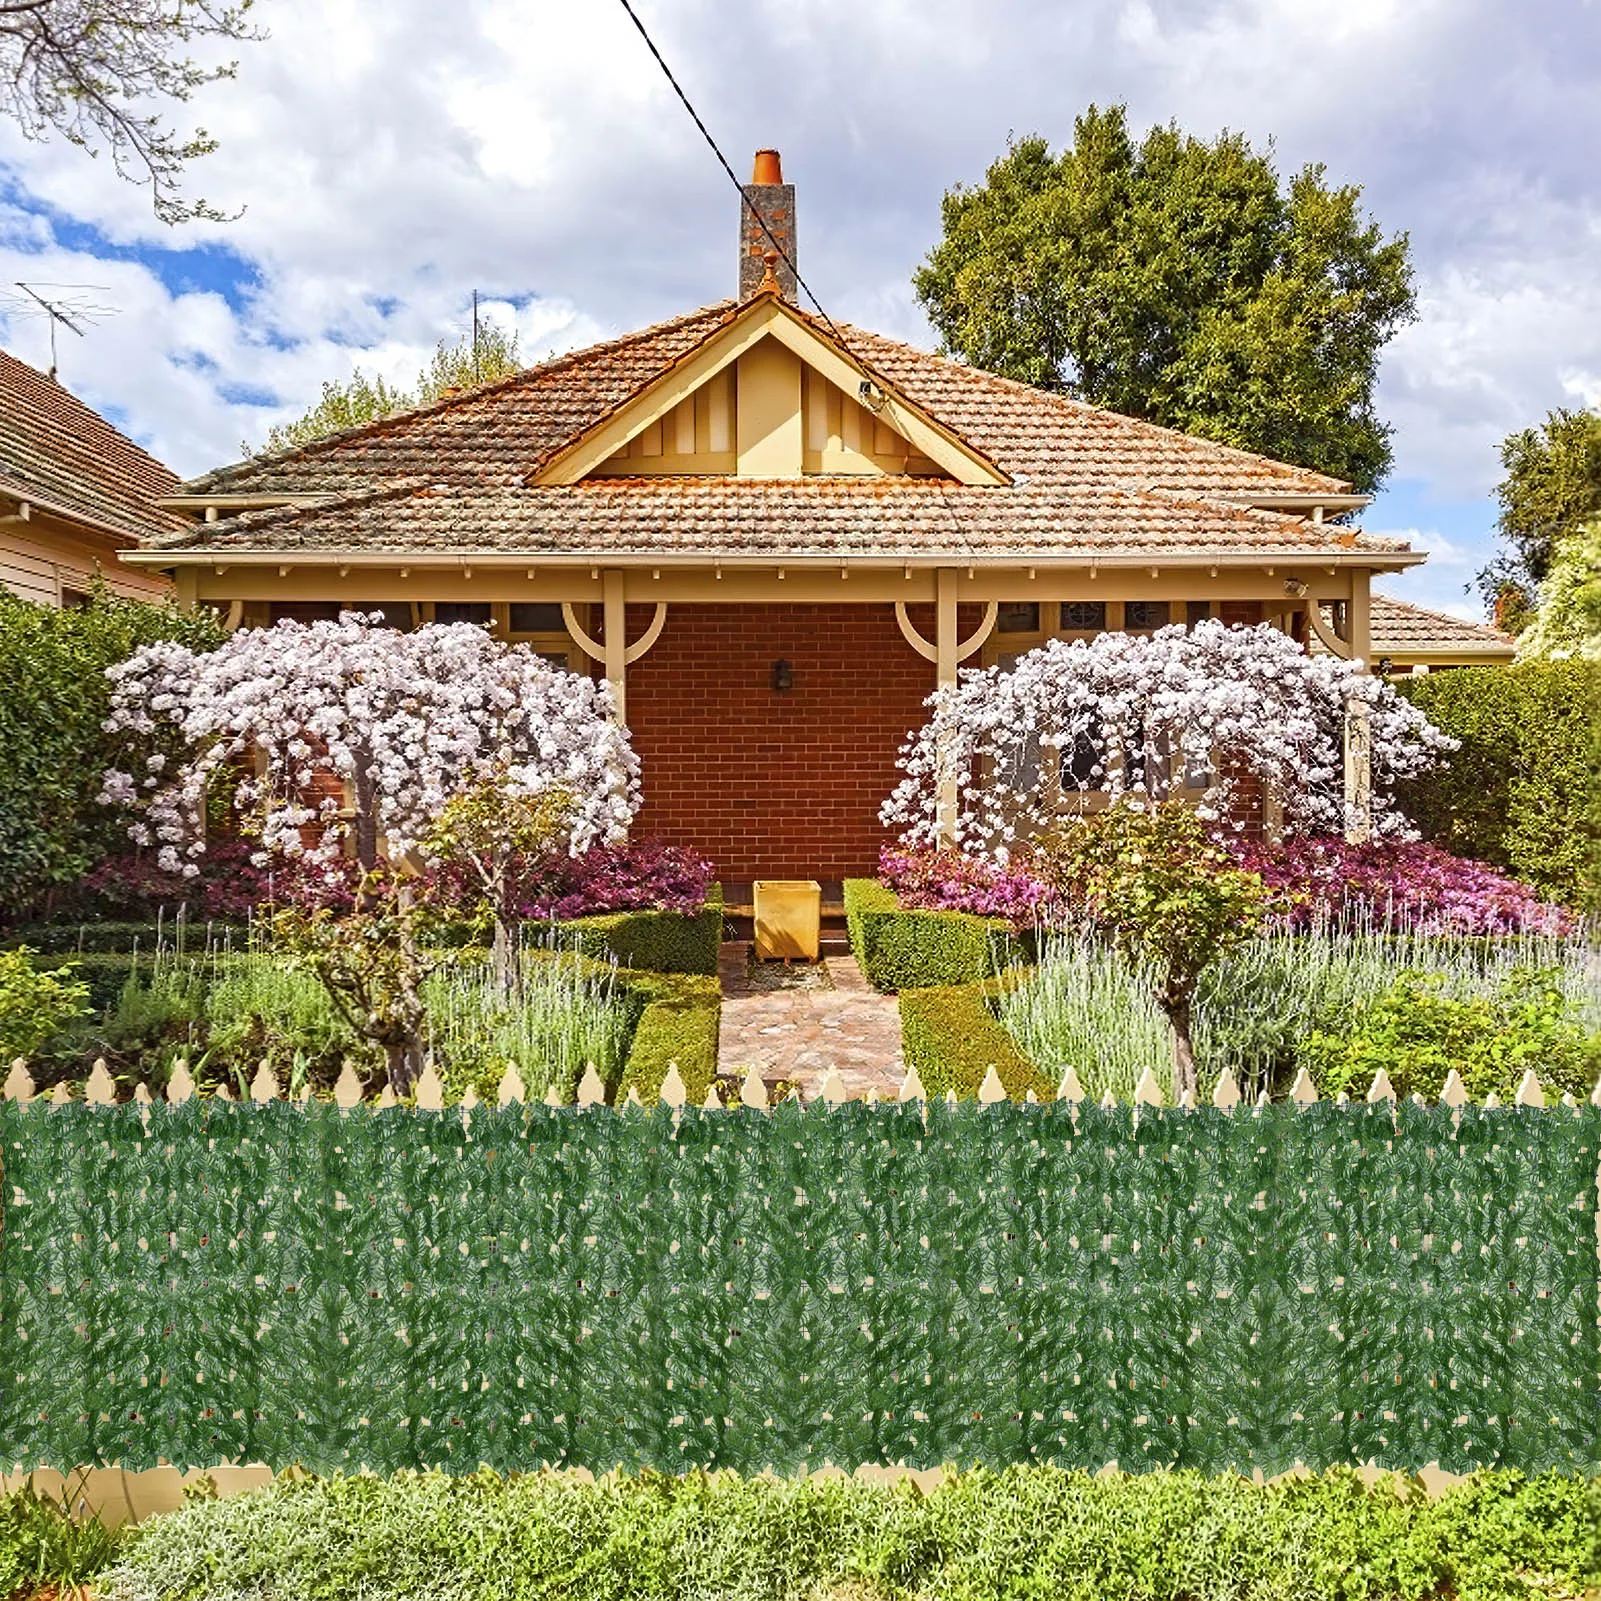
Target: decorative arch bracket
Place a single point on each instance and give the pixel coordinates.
(965, 649)
(597, 651)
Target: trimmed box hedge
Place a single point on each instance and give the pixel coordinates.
(902, 948)
(659, 942)
(952, 1036)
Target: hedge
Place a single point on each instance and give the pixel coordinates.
(660, 942)
(678, 1021)
(53, 750)
(1524, 791)
(1030, 1532)
(1329, 1285)
(901, 948)
(952, 1036)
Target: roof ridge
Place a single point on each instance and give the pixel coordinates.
(539, 370)
(1034, 392)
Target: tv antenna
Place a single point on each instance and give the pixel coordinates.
(71, 308)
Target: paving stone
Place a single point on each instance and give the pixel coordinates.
(801, 1032)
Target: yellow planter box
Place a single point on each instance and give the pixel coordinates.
(789, 916)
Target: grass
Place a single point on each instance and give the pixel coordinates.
(1085, 1007)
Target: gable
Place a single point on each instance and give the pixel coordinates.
(768, 414)
(768, 396)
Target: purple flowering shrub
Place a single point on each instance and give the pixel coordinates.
(928, 879)
(229, 886)
(643, 875)
(1395, 885)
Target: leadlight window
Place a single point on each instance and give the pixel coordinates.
(1196, 611)
(461, 611)
(1084, 616)
(1140, 614)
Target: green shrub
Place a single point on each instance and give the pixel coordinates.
(952, 1036)
(53, 751)
(660, 942)
(1024, 1534)
(1524, 791)
(901, 949)
(1417, 1031)
(72, 937)
(35, 1003)
(678, 1021)
(43, 1547)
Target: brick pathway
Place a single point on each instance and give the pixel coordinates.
(827, 1016)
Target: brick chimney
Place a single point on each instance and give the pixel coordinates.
(772, 200)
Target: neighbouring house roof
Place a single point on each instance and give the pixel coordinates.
(459, 476)
(1407, 633)
(58, 455)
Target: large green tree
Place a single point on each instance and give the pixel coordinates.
(1180, 281)
(1551, 490)
(470, 360)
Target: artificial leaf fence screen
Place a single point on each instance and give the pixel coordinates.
(289, 1283)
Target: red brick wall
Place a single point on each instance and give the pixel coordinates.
(768, 784)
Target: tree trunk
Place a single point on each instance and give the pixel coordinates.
(505, 954)
(1177, 1009)
(404, 1060)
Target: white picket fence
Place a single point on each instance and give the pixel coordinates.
(100, 1090)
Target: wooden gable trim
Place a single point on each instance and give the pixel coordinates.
(764, 317)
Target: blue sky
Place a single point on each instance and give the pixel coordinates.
(390, 158)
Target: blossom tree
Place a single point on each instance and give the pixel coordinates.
(352, 737)
(1215, 707)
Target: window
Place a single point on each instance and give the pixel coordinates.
(1018, 617)
(1083, 616)
(461, 611)
(537, 617)
(1196, 611)
(1141, 614)
(305, 611)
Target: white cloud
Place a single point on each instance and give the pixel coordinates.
(392, 158)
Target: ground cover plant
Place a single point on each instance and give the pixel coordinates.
(1026, 1532)
(1341, 1001)
(227, 1011)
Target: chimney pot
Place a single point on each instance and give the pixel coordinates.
(769, 167)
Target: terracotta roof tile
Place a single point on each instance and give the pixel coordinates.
(72, 461)
(452, 476)
(1402, 629)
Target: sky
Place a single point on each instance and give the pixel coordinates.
(389, 157)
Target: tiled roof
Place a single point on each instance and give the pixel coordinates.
(1402, 629)
(453, 476)
(69, 460)
(820, 516)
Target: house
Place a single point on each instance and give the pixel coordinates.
(774, 536)
(1413, 639)
(74, 494)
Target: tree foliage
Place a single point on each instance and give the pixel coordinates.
(1179, 281)
(53, 750)
(88, 70)
(1567, 623)
(467, 362)
(1552, 488)
(1165, 894)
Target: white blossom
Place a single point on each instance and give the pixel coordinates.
(1131, 712)
(398, 723)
